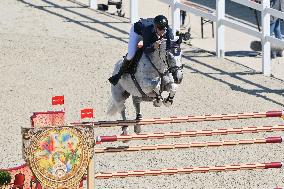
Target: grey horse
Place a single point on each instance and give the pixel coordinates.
(155, 73)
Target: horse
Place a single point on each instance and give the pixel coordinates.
(155, 73)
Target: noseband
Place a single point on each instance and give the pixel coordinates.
(174, 69)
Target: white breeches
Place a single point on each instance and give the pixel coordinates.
(134, 39)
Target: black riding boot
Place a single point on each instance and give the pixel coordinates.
(115, 78)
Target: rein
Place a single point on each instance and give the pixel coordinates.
(161, 75)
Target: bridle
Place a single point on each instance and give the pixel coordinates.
(170, 69)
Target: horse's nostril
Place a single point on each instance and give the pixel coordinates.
(177, 81)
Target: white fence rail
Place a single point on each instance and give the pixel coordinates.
(218, 16)
(250, 4)
(207, 15)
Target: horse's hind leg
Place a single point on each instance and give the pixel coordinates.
(124, 128)
(136, 103)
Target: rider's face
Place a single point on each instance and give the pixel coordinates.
(160, 32)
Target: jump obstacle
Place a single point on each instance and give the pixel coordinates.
(184, 119)
(56, 118)
(189, 170)
(190, 133)
(189, 145)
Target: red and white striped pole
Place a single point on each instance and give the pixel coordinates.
(189, 170)
(190, 133)
(197, 144)
(186, 119)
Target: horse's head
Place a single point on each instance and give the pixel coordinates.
(167, 58)
(174, 58)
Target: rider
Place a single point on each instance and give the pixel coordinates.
(152, 31)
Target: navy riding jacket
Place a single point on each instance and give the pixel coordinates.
(146, 29)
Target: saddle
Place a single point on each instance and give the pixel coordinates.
(132, 68)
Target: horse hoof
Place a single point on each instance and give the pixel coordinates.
(124, 130)
(168, 102)
(157, 103)
(139, 117)
(137, 129)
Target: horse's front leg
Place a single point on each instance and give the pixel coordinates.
(158, 100)
(171, 88)
(136, 103)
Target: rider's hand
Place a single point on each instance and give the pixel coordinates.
(157, 44)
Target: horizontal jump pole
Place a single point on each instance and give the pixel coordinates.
(190, 133)
(188, 145)
(189, 170)
(183, 119)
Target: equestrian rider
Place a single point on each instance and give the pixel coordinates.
(152, 31)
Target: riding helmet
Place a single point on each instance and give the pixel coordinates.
(161, 22)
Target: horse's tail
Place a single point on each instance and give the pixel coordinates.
(118, 97)
(112, 109)
(116, 103)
